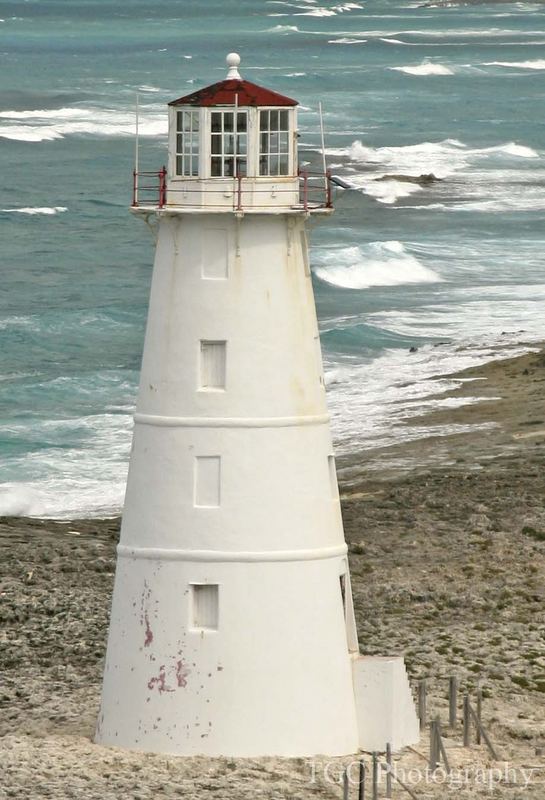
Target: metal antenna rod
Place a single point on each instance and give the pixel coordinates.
(324, 164)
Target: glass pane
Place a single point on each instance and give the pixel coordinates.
(274, 143)
(228, 143)
(264, 120)
(216, 121)
(194, 165)
(195, 142)
(215, 167)
(274, 120)
(180, 165)
(179, 120)
(241, 121)
(284, 142)
(283, 165)
(241, 144)
(264, 145)
(284, 124)
(216, 143)
(228, 167)
(241, 167)
(274, 165)
(228, 120)
(179, 143)
(187, 120)
(263, 165)
(195, 121)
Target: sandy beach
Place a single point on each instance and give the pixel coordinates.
(447, 550)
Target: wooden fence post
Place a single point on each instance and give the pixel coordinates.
(479, 713)
(361, 785)
(452, 701)
(375, 777)
(422, 703)
(388, 770)
(467, 721)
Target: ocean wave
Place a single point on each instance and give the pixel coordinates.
(49, 211)
(48, 125)
(538, 63)
(346, 40)
(440, 158)
(317, 12)
(284, 29)
(426, 68)
(375, 264)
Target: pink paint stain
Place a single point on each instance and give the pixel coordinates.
(160, 682)
(181, 673)
(149, 633)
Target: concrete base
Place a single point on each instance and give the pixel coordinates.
(384, 703)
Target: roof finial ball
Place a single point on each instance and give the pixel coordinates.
(233, 60)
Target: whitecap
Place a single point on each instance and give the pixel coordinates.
(538, 63)
(346, 40)
(284, 29)
(48, 211)
(48, 125)
(376, 264)
(426, 68)
(317, 12)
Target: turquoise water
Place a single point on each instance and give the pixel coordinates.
(453, 269)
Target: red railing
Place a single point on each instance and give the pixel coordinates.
(156, 194)
(315, 191)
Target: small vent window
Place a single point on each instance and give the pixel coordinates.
(187, 143)
(213, 364)
(274, 143)
(204, 606)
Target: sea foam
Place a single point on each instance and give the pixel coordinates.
(48, 211)
(376, 264)
(426, 68)
(47, 125)
(538, 63)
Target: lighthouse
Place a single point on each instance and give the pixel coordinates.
(232, 628)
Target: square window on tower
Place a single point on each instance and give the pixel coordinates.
(204, 606)
(213, 357)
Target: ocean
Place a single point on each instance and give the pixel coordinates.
(452, 270)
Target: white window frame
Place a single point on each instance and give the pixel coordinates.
(225, 153)
(187, 143)
(278, 149)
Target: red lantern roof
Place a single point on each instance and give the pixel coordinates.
(232, 92)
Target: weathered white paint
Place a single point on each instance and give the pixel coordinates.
(385, 704)
(232, 629)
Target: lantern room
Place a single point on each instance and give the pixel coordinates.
(232, 146)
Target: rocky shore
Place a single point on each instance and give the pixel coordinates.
(447, 548)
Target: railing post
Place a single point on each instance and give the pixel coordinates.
(305, 190)
(239, 192)
(328, 201)
(134, 188)
(162, 187)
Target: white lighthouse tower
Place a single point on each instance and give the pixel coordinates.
(232, 629)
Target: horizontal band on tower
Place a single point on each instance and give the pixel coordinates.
(173, 554)
(229, 422)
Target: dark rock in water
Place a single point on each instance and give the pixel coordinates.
(413, 350)
(421, 180)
